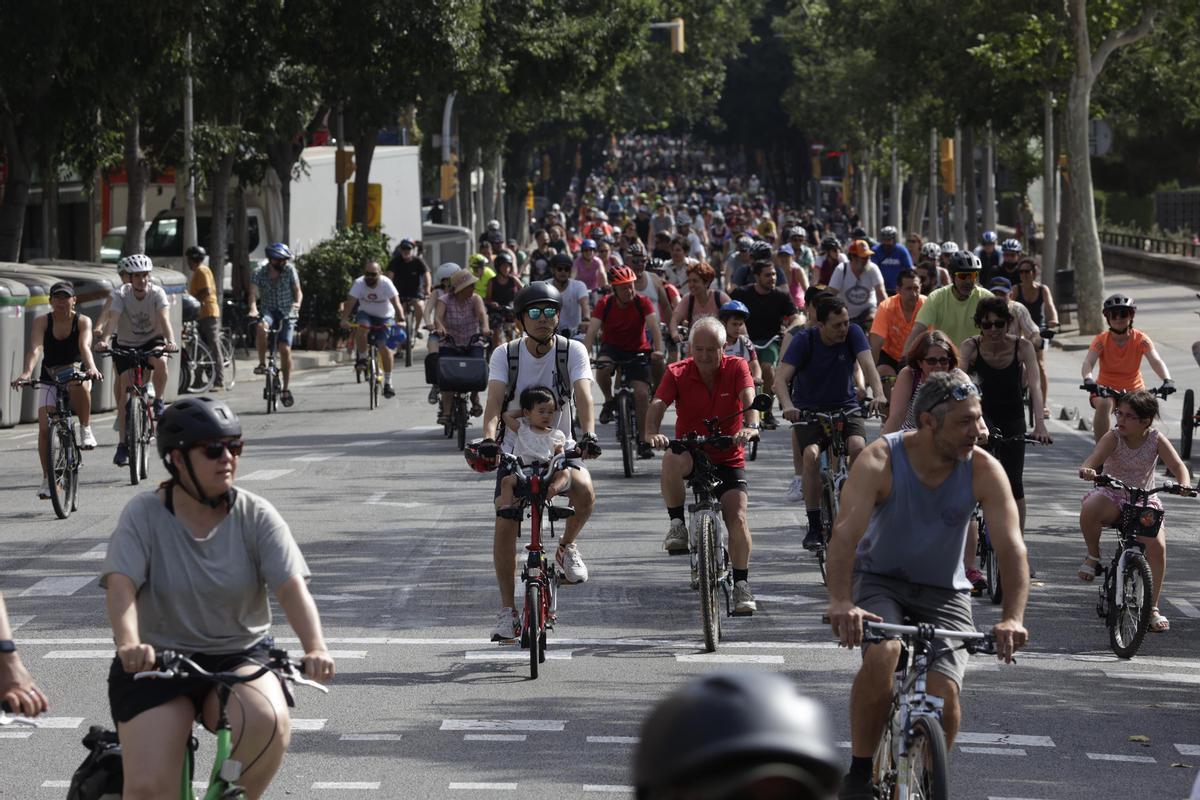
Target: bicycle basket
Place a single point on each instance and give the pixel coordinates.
(100, 776)
(461, 373)
(1140, 520)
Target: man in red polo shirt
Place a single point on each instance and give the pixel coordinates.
(622, 319)
(709, 384)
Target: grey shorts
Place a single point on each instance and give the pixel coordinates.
(900, 602)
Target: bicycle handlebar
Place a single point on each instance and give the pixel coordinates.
(1170, 488)
(547, 468)
(995, 436)
(143, 356)
(172, 665)
(809, 416)
(973, 641)
(1100, 390)
(694, 442)
(75, 377)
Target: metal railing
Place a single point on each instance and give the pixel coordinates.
(1147, 244)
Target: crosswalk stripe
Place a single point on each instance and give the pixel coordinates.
(1160, 677)
(60, 723)
(75, 654)
(1188, 749)
(535, 725)
(1017, 740)
(308, 724)
(727, 658)
(97, 553)
(371, 737)
(483, 787)
(495, 737)
(317, 457)
(994, 751)
(612, 739)
(15, 734)
(264, 475)
(1185, 607)
(60, 586)
(1122, 757)
(607, 787)
(350, 785)
(514, 655)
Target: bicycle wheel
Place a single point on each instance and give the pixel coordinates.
(1187, 425)
(534, 622)
(991, 567)
(625, 436)
(373, 377)
(147, 435)
(203, 367)
(133, 436)
(185, 369)
(272, 390)
(883, 768)
(710, 612)
(925, 763)
(59, 477)
(460, 420)
(1130, 617)
(410, 331)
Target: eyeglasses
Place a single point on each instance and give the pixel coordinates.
(987, 326)
(963, 276)
(1119, 313)
(214, 450)
(944, 361)
(959, 391)
(538, 312)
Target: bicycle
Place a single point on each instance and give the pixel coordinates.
(707, 547)
(910, 760)
(139, 422)
(461, 373)
(1191, 419)
(410, 328)
(626, 415)
(63, 454)
(222, 782)
(1127, 593)
(197, 365)
(273, 383)
(988, 563)
(835, 468)
(541, 575)
(369, 368)
(768, 422)
(1047, 334)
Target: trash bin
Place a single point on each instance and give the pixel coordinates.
(175, 285)
(1064, 290)
(93, 292)
(38, 284)
(13, 297)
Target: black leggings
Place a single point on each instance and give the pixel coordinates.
(1011, 455)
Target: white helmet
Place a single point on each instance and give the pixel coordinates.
(135, 263)
(445, 271)
(493, 225)
(949, 248)
(931, 250)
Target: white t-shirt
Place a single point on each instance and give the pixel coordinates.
(530, 445)
(540, 372)
(138, 321)
(375, 300)
(570, 316)
(858, 292)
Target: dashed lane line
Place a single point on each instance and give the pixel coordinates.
(495, 737)
(994, 751)
(608, 787)
(308, 724)
(264, 475)
(60, 586)
(15, 734)
(1188, 749)
(1014, 739)
(97, 553)
(1160, 677)
(727, 658)
(482, 787)
(371, 737)
(346, 785)
(1122, 758)
(1185, 607)
(529, 725)
(612, 740)
(317, 457)
(514, 655)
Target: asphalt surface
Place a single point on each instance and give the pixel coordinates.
(397, 532)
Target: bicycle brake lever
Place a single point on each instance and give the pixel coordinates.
(300, 679)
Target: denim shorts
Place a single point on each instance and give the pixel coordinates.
(367, 320)
(287, 326)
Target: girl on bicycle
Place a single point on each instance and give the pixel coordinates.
(1129, 453)
(188, 569)
(499, 298)
(932, 352)
(1036, 297)
(535, 438)
(461, 316)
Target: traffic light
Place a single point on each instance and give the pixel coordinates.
(946, 157)
(677, 39)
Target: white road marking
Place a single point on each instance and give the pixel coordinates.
(308, 724)
(61, 586)
(351, 654)
(536, 725)
(607, 787)
(56, 784)
(376, 499)
(794, 599)
(60, 723)
(21, 436)
(264, 475)
(354, 785)
(15, 734)
(81, 653)
(994, 751)
(514, 655)
(1122, 757)
(1185, 607)
(494, 737)
(1188, 749)
(727, 658)
(371, 737)
(339, 598)
(612, 739)
(483, 787)
(97, 553)
(367, 443)
(1160, 677)
(317, 457)
(1017, 740)
(17, 620)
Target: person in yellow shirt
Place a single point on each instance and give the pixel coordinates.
(208, 324)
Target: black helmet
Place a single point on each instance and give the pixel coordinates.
(536, 293)
(965, 261)
(830, 243)
(725, 724)
(197, 252)
(194, 420)
(504, 256)
(761, 251)
(561, 260)
(637, 250)
(1120, 301)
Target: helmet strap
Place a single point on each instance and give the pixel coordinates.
(199, 495)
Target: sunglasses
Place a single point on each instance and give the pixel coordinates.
(962, 276)
(944, 361)
(214, 450)
(1026, 271)
(539, 313)
(959, 391)
(1118, 313)
(987, 326)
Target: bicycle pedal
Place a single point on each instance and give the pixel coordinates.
(678, 552)
(741, 613)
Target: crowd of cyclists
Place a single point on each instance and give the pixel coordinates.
(703, 293)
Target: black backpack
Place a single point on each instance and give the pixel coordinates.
(562, 377)
(101, 775)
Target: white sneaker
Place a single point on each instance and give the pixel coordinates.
(571, 563)
(677, 538)
(508, 626)
(795, 491)
(88, 438)
(743, 599)
(44, 492)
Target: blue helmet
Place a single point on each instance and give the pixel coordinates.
(280, 251)
(734, 307)
(989, 237)
(587, 244)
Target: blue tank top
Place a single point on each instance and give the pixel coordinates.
(917, 535)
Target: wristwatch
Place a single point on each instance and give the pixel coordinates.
(7, 646)
(754, 426)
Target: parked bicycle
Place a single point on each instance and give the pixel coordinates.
(1126, 598)
(139, 421)
(63, 453)
(197, 362)
(628, 429)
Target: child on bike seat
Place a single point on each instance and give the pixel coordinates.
(535, 438)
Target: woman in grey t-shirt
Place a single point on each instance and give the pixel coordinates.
(189, 568)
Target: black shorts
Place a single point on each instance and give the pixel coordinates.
(1011, 455)
(127, 698)
(122, 364)
(814, 433)
(886, 360)
(635, 369)
(732, 478)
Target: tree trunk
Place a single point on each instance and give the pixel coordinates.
(1050, 262)
(488, 198)
(218, 236)
(16, 189)
(283, 154)
(137, 172)
(365, 138)
(971, 202)
(240, 262)
(989, 180)
(50, 211)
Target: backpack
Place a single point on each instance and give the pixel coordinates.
(608, 306)
(100, 776)
(562, 380)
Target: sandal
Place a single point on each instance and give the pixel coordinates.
(1158, 623)
(286, 398)
(1045, 413)
(261, 369)
(1087, 572)
(476, 410)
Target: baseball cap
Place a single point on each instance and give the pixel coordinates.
(62, 287)
(1000, 283)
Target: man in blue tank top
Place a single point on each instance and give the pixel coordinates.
(896, 555)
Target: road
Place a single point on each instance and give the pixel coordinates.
(396, 530)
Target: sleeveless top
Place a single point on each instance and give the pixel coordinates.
(1001, 389)
(60, 352)
(588, 271)
(1134, 467)
(692, 316)
(650, 293)
(742, 348)
(503, 293)
(461, 322)
(1036, 311)
(917, 534)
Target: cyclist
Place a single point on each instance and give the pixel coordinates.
(189, 568)
(701, 300)
(61, 354)
(683, 230)
(890, 559)
(540, 359)
(890, 257)
(460, 316)
(831, 258)
(771, 312)
(650, 285)
(378, 303)
(1020, 324)
(499, 296)
(759, 253)
(1130, 453)
(410, 274)
(860, 283)
(140, 311)
(822, 361)
(1010, 257)
(738, 258)
(1120, 350)
(736, 736)
(1038, 300)
(893, 322)
(539, 259)
(733, 316)
(575, 306)
(948, 250)
(680, 262)
(952, 308)
(441, 286)
(705, 385)
(622, 320)
(480, 266)
(203, 287)
(797, 269)
(16, 684)
(590, 269)
(988, 254)
(277, 284)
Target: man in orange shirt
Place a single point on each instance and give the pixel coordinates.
(893, 322)
(1120, 350)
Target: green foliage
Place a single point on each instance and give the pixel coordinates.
(1125, 210)
(327, 270)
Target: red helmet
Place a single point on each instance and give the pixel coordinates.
(621, 274)
(483, 455)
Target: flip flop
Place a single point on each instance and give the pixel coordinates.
(1158, 623)
(1087, 572)
(286, 398)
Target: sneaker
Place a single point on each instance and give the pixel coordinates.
(676, 542)
(769, 423)
(607, 410)
(978, 582)
(121, 457)
(795, 490)
(434, 395)
(743, 599)
(571, 563)
(856, 787)
(44, 492)
(814, 539)
(388, 391)
(645, 450)
(88, 438)
(159, 408)
(508, 626)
